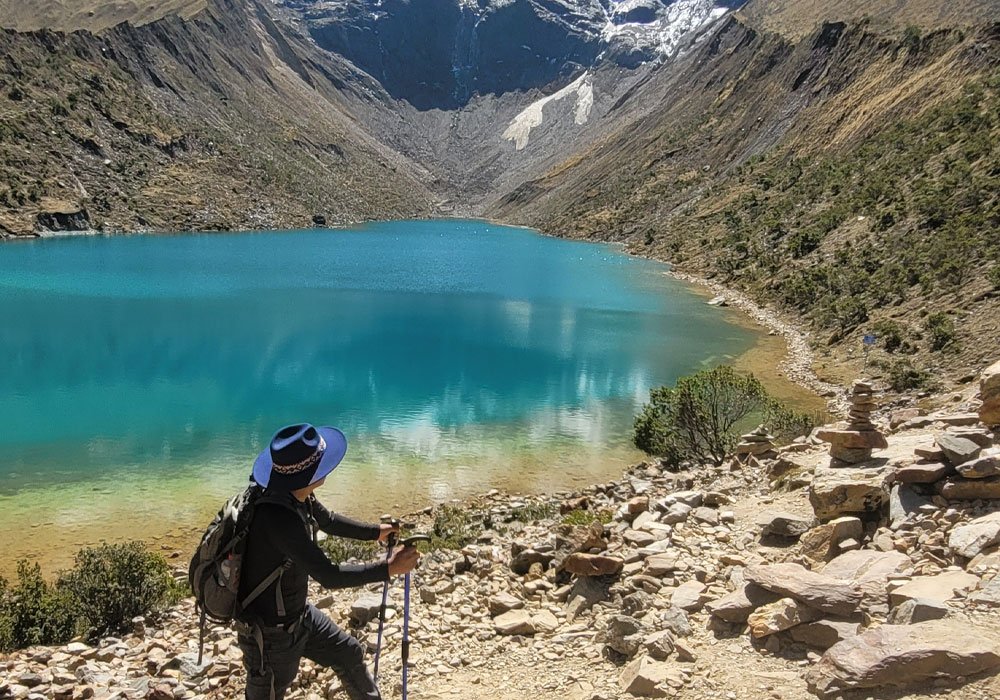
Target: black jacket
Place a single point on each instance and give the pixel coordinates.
(281, 532)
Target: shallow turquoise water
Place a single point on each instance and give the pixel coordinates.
(456, 353)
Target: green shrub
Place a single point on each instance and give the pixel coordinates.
(113, 583)
(993, 276)
(903, 376)
(341, 549)
(891, 335)
(453, 528)
(699, 419)
(941, 332)
(586, 517)
(33, 611)
(534, 511)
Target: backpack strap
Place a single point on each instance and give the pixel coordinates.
(262, 586)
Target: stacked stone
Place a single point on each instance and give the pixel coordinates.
(855, 443)
(757, 444)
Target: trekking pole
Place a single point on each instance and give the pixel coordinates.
(385, 596)
(408, 542)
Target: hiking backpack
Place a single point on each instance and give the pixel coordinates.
(214, 572)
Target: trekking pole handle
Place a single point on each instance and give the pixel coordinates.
(393, 536)
(414, 540)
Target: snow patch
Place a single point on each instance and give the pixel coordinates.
(674, 21)
(520, 126)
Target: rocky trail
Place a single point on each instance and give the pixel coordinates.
(784, 573)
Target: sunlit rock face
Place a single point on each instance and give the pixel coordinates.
(440, 53)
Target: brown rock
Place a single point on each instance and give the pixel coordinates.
(940, 587)
(987, 464)
(504, 602)
(827, 594)
(989, 390)
(737, 606)
(823, 634)
(836, 492)
(514, 622)
(689, 596)
(972, 538)
(646, 678)
(662, 564)
(923, 473)
(904, 655)
(593, 564)
(778, 616)
(870, 571)
(822, 543)
(854, 439)
(959, 489)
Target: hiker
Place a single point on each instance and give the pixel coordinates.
(277, 629)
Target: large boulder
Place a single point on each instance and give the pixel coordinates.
(905, 656)
(989, 390)
(940, 587)
(869, 570)
(861, 492)
(824, 593)
(972, 538)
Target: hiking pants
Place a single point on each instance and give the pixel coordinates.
(315, 637)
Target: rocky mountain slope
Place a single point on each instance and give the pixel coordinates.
(849, 178)
(218, 122)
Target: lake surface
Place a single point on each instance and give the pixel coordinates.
(142, 374)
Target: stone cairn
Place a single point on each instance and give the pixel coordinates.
(854, 444)
(756, 444)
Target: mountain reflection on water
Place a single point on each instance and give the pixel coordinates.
(423, 341)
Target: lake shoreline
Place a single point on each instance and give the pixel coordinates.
(797, 363)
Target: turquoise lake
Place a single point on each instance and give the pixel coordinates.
(142, 374)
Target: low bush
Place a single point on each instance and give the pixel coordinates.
(941, 332)
(699, 420)
(586, 517)
(108, 586)
(453, 528)
(32, 611)
(113, 583)
(341, 549)
(530, 512)
(903, 376)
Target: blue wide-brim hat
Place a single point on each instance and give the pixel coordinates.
(299, 455)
